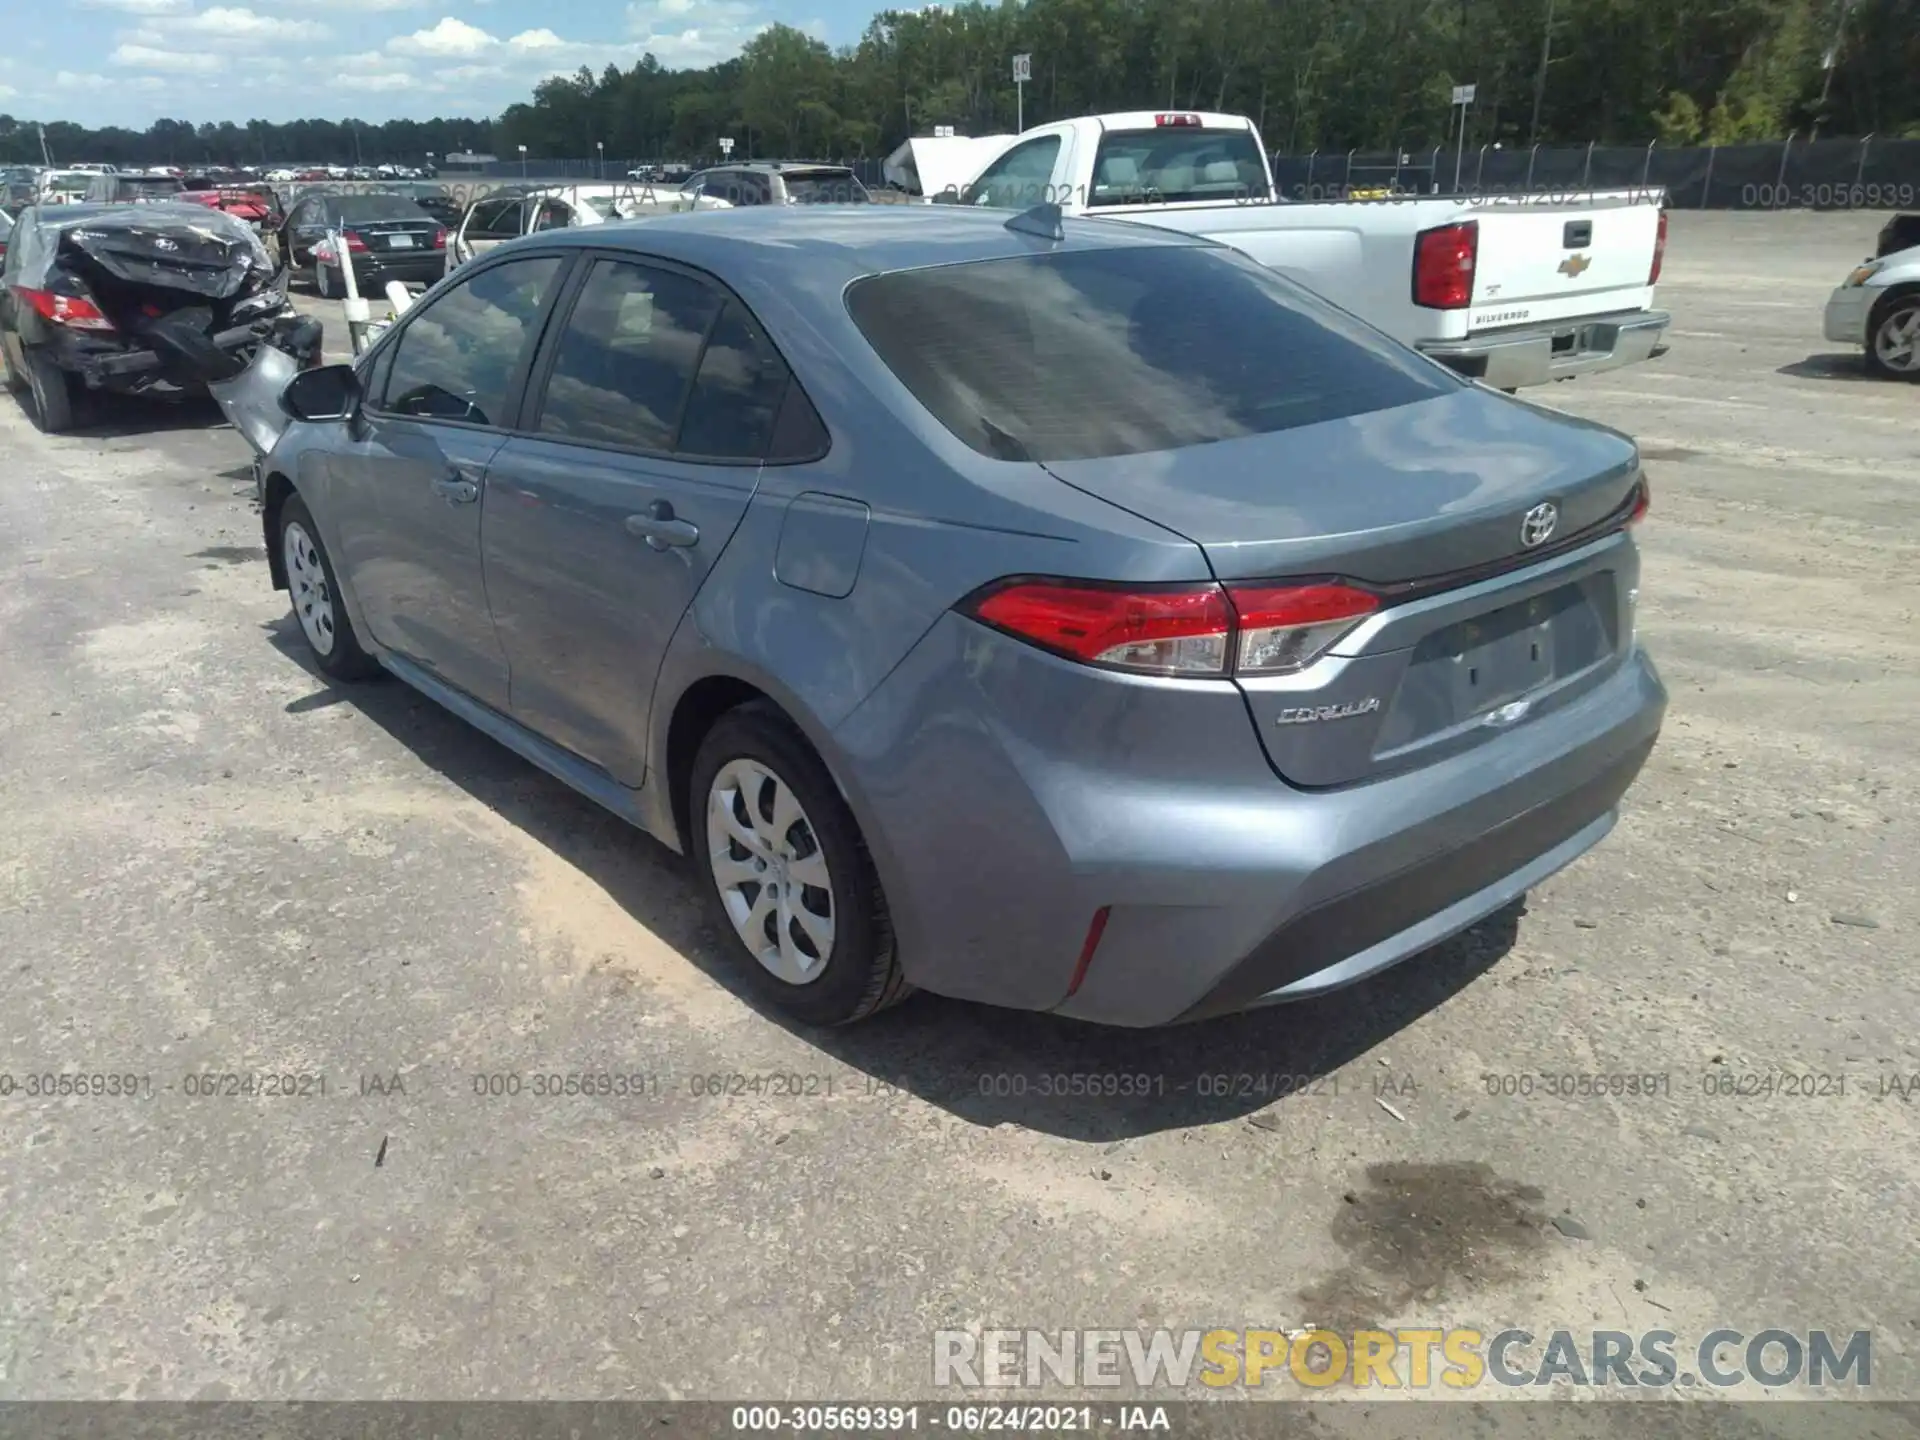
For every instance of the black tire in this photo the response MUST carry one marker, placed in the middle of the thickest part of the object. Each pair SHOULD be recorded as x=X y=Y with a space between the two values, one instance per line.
x=862 y=975
x=321 y=287
x=51 y=401
x=346 y=660
x=11 y=380
x=1903 y=306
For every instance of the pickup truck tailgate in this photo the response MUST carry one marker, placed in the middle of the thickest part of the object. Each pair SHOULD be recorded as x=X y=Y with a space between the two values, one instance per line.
x=1544 y=262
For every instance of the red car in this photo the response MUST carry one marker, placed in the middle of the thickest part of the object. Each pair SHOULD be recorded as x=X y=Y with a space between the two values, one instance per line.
x=253 y=206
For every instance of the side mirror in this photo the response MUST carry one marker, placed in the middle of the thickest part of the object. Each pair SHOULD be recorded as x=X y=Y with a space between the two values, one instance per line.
x=331 y=392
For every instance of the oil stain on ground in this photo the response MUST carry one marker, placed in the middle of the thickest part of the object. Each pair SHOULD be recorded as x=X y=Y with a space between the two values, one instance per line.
x=232 y=554
x=1418 y=1230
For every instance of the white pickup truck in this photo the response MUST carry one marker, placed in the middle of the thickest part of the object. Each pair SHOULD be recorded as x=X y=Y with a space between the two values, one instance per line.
x=1511 y=290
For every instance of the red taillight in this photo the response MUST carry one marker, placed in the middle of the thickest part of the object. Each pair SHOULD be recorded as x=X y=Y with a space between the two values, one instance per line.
x=355 y=243
x=1173 y=630
x=1443 y=261
x=1177 y=120
x=1178 y=630
x=1642 y=502
x=76 y=312
x=440 y=239
x=1659 y=249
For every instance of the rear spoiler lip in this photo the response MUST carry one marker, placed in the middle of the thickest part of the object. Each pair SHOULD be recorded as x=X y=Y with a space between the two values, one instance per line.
x=1401 y=591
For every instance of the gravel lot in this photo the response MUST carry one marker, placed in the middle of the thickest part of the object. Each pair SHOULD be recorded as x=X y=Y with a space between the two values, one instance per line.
x=212 y=862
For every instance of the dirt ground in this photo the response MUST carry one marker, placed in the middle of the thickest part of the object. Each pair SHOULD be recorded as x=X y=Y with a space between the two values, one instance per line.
x=211 y=862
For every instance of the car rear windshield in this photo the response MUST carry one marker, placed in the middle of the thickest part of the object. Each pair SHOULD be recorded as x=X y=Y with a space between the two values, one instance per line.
x=355 y=208
x=1089 y=353
x=1174 y=164
x=825 y=187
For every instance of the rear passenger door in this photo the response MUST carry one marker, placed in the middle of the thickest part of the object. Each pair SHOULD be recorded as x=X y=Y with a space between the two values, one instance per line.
x=652 y=406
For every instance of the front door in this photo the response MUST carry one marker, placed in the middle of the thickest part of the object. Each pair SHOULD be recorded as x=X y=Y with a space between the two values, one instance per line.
x=656 y=411
x=407 y=492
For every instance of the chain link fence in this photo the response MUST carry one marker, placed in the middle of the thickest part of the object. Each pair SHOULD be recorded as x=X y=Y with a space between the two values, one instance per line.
x=1867 y=173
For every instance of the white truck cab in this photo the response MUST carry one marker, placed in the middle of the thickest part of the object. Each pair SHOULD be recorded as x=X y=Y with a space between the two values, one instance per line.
x=1512 y=290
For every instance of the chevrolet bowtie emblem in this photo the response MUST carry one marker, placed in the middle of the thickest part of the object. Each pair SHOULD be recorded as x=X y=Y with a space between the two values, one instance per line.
x=1574 y=266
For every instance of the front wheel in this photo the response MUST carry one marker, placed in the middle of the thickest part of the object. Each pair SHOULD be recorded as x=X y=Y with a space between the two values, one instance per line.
x=783 y=863
x=316 y=598
x=321 y=285
x=1893 y=340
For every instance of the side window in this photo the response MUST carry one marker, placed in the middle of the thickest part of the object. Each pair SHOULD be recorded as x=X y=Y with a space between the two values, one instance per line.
x=735 y=397
x=456 y=358
x=626 y=359
x=552 y=215
x=495 y=220
x=1020 y=178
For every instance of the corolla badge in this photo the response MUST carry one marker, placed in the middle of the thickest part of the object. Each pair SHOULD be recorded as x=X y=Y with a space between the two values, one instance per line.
x=1308 y=714
x=1537 y=524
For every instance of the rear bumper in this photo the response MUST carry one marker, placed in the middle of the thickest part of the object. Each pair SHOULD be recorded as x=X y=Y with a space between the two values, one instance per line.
x=127 y=366
x=421 y=268
x=1040 y=796
x=1537 y=354
x=1845 y=320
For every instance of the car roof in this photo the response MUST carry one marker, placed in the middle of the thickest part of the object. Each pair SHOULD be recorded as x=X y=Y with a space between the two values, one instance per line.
x=851 y=240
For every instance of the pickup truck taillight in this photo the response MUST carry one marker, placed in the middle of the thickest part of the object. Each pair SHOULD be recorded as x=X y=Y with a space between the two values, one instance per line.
x=1659 y=249
x=76 y=312
x=1443 y=261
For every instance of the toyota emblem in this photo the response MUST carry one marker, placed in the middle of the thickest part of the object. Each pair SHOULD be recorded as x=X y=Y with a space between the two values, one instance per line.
x=1537 y=524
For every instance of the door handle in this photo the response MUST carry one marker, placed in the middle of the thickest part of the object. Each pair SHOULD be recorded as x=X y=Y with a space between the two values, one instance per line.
x=457 y=489
x=660 y=529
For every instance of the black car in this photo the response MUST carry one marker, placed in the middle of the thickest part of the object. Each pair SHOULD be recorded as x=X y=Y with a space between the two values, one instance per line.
x=388 y=237
x=153 y=299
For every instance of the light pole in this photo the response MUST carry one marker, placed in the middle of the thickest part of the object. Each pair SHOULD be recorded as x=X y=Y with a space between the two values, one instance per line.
x=430 y=160
x=523 y=162
x=600 y=162
x=1540 y=80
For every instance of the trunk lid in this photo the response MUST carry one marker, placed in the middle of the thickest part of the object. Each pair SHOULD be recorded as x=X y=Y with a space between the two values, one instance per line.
x=389 y=237
x=1390 y=496
x=1425 y=504
x=1541 y=262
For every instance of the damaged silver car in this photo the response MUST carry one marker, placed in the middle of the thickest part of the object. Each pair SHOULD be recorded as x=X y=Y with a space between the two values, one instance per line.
x=158 y=300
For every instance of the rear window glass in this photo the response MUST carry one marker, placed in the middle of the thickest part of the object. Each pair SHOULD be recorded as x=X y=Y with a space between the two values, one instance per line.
x=1175 y=164
x=1091 y=353
x=377 y=207
x=829 y=187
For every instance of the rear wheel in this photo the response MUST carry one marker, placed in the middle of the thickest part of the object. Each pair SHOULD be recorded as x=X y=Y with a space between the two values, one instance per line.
x=1893 y=339
x=51 y=393
x=784 y=865
x=316 y=598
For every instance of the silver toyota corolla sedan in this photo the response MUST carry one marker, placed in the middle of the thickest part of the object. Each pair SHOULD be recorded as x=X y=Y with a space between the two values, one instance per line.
x=1069 y=616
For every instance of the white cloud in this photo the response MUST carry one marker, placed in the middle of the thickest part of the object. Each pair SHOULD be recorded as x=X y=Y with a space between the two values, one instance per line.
x=141 y=7
x=724 y=28
x=450 y=37
x=7 y=92
x=537 y=40
x=177 y=62
x=83 y=80
x=360 y=5
x=375 y=82
x=244 y=27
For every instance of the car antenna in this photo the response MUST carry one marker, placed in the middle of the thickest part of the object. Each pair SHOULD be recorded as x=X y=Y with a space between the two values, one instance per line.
x=1043 y=220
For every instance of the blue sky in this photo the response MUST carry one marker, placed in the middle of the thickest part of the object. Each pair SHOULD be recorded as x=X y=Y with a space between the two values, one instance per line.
x=129 y=62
